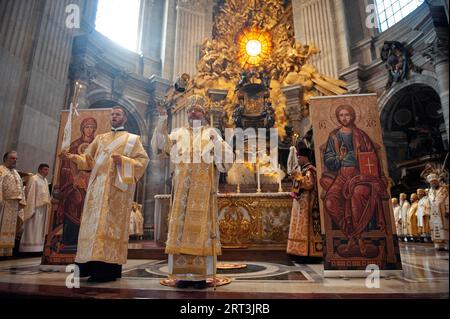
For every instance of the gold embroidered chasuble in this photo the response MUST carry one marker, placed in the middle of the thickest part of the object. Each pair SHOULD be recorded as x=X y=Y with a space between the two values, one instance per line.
x=104 y=227
x=194 y=202
x=190 y=219
x=438 y=199
x=411 y=222
x=11 y=195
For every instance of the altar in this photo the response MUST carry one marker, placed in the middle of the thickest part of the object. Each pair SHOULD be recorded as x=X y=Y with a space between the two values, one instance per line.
x=245 y=219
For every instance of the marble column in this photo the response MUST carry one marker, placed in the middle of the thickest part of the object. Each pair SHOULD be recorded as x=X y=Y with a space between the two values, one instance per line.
x=82 y=72
x=20 y=25
x=168 y=39
x=193 y=19
x=294 y=99
x=89 y=15
x=158 y=173
x=437 y=53
x=343 y=39
x=320 y=22
x=150 y=35
x=35 y=52
x=353 y=75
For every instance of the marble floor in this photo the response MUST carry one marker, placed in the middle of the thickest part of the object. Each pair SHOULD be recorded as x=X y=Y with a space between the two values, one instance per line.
x=425 y=275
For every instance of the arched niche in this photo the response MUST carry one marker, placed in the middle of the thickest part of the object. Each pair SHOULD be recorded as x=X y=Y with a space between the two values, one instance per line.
x=132 y=124
x=413 y=131
x=136 y=125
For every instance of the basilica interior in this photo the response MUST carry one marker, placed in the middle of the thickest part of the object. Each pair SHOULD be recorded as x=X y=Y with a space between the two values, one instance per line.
x=259 y=64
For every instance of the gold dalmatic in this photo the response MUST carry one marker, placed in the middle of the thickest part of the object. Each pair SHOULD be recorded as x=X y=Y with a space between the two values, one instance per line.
x=194 y=204
x=104 y=228
x=11 y=195
x=190 y=218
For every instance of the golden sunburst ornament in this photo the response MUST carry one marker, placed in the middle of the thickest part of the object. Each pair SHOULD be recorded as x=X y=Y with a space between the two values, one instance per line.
x=255 y=46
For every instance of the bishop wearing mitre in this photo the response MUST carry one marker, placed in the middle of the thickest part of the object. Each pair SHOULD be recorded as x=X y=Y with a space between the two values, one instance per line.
x=193 y=238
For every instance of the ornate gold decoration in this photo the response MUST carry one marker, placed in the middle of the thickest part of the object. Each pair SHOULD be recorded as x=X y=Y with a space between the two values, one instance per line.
x=254 y=220
x=276 y=225
x=239 y=223
x=287 y=62
x=255 y=46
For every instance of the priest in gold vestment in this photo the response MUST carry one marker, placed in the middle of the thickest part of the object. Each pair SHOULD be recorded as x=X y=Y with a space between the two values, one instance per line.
x=193 y=214
x=12 y=199
x=411 y=221
x=117 y=160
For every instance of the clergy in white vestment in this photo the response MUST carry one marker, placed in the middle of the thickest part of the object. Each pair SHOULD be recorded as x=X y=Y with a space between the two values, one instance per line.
x=36 y=213
x=12 y=199
x=117 y=160
x=136 y=220
x=397 y=215
x=404 y=208
x=423 y=213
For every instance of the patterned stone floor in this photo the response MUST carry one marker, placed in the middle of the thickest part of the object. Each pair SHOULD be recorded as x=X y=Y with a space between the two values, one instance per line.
x=425 y=275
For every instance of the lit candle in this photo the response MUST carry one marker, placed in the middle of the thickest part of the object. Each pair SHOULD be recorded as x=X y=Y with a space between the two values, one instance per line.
x=279 y=179
x=257 y=176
